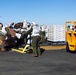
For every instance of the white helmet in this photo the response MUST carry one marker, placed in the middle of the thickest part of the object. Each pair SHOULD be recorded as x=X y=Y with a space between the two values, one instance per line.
x=33 y=23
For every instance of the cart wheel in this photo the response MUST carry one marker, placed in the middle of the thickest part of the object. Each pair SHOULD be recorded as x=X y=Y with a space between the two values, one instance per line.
x=67 y=47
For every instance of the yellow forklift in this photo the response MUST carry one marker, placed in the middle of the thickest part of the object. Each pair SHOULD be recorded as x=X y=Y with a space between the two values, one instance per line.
x=70 y=36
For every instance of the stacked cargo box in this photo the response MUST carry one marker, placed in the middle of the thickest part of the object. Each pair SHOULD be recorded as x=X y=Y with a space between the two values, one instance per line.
x=56 y=33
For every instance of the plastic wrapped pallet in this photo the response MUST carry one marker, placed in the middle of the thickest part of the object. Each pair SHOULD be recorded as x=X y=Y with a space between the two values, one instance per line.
x=56 y=33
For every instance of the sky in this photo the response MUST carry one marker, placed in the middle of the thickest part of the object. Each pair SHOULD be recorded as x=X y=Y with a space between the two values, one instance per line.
x=46 y=12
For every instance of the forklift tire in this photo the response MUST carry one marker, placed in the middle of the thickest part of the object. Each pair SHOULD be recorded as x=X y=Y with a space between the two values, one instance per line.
x=67 y=47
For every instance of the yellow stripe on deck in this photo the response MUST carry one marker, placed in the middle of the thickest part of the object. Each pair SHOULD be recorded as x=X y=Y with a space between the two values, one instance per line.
x=53 y=47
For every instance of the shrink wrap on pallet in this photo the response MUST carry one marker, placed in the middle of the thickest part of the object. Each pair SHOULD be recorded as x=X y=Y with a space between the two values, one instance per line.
x=56 y=33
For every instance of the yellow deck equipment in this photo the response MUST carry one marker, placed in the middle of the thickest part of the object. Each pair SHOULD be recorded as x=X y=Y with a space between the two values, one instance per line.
x=70 y=35
x=21 y=50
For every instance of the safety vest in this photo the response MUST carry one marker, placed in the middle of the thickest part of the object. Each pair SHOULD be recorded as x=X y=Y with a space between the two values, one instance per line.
x=36 y=31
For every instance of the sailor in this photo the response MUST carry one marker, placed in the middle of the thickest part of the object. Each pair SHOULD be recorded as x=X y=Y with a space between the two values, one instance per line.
x=35 y=40
x=2 y=37
x=42 y=33
x=21 y=34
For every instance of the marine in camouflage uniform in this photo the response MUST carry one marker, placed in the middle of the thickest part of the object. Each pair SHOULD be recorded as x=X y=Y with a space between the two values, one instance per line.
x=2 y=38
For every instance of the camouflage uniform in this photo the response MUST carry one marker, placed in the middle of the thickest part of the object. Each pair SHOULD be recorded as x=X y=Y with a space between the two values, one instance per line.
x=2 y=42
x=2 y=38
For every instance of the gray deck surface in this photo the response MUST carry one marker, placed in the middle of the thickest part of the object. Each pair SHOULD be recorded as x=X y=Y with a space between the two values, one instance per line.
x=53 y=62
